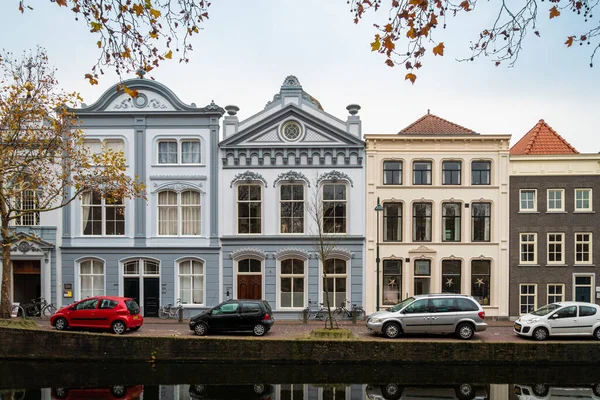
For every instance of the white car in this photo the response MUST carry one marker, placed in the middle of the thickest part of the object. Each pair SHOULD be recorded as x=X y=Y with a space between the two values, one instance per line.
x=568 y=318
x=542 y=391
x=393 y=391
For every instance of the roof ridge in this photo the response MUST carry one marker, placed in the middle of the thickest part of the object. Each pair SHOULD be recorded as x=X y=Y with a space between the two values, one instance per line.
x=437 y=118
x=528 y=143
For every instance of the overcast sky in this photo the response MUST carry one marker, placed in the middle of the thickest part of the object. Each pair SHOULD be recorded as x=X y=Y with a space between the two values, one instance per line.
x=247 y=48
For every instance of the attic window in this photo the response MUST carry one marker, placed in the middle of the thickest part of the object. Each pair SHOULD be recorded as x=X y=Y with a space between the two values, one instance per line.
x=291 y=131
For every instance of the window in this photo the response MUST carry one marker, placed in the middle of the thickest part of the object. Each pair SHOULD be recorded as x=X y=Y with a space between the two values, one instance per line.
x=528 y=248
x=555 y=248
x=555 y=200
x=583 y=199
x=419 y=306
x=481 y=172
x=583 y=288
x=291 y=392
x=106 y=304
x=392 y=172
x=90 y=304
x=191 y=282
x=27 y=201
x=528 y=200
x=422 y=273
x=583 y=248
x=480 y=281
x=97 y=146
x=179 y=152
x=566 y=312
x=102 y=216
x=451 y=172
x=480 y=222
x=392 y=282
x=249 y=209
x=585 y=311
x=451 y=222
x=91 y=275
x=336 y=281
x=250 y=266
x=292 y=283
x=527 y=298
x=422 y=173
x=174 y=207
x=556 y=292
x=392 y=222
x=334 y=208
x=422 y=222
x=451 y=273
x=292 y=208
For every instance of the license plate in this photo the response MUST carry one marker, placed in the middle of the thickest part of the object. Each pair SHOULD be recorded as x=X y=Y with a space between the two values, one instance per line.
x=135 y=317
x=517 y=328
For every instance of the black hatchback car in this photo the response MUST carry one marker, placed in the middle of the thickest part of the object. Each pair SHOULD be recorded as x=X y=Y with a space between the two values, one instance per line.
x=235 y=315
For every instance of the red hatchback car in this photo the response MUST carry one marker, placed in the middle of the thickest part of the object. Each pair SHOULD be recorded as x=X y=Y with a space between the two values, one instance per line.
x=102 y=312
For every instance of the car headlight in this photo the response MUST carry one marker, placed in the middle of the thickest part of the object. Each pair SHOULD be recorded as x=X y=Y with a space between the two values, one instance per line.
x=375 y=320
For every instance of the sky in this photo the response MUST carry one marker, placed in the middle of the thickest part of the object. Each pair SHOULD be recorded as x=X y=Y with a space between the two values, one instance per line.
x=247 y=48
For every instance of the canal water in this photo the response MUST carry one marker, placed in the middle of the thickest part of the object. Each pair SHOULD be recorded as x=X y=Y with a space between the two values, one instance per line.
x=149 y=381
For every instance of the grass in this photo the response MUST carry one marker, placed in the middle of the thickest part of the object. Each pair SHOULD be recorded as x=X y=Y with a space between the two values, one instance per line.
x=336 y=333
x=18 y=323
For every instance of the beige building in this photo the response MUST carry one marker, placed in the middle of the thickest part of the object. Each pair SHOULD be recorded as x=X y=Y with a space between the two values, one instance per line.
x=443 y=215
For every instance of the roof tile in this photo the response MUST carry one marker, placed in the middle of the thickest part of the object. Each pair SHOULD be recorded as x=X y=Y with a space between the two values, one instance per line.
x=430 y=124
x=542 y=139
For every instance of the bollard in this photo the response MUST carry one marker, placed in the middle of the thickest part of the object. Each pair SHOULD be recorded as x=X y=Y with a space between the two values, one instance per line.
x=180 y=315
x=354 y=316
x=305 y=316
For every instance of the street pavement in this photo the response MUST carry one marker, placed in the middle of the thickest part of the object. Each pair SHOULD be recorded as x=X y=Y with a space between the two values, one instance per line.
x=498 y=331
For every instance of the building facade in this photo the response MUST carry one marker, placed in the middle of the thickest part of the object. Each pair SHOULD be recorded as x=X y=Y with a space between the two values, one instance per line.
x=163 y=247
x=553 y=221
x=287 y=172
x=442 y=195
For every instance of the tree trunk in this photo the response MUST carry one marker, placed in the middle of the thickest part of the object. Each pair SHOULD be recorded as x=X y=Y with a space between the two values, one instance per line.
x=6 y=237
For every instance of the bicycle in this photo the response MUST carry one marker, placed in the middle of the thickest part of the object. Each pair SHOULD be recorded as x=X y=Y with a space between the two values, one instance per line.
x=170 y=311
x=17 y=310
x=342 y=311
x=39 y=307
x=315 y=310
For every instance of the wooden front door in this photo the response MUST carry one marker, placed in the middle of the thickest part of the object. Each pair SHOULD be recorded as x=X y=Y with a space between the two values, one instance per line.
x=26 y=280
x=249 y=287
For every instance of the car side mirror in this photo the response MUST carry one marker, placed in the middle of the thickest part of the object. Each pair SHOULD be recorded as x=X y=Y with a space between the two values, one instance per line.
x=72 y=308
x=554 y=316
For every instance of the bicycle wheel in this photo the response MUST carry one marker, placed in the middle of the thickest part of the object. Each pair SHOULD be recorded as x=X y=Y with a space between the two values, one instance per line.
x=186 y=313
x=48 y=310
x=31 y=310
x=338 y=314
x=163 y=313
x=18 y=311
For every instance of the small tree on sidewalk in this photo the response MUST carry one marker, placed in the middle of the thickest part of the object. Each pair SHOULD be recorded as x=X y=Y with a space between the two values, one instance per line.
x=43 y=163
x=326 y=236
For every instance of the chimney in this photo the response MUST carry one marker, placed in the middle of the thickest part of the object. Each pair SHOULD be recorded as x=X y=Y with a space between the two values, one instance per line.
x=230 y=121
x=353 y=124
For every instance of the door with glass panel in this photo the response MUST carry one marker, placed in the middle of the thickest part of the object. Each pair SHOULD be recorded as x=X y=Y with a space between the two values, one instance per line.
x=249 y=279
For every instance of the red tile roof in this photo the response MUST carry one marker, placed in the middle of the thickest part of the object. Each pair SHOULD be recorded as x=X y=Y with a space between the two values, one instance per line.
x=430 y=124
x=542 y=139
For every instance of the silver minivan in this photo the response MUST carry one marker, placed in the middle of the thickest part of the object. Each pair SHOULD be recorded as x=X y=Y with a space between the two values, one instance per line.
x=431 y=314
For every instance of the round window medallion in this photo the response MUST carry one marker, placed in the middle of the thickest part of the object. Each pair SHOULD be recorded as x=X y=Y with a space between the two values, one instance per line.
x=140 y=101
x=291 y=130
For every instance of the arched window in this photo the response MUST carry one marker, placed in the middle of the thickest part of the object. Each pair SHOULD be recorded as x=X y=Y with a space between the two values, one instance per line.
x=179 y=213
x=336 y=283
x=91 y=278
x=292 y=279
x=191 y=282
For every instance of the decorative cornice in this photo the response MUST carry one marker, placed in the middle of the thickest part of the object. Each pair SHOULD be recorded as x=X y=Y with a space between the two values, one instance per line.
x=340 y=252
x=335 y=176
x=177 y=186
x=291 y=81
x=422 y=249
x=276 y=97
x=291 y=176
x=177 y=177
x=213 y=107
x=295 y=251
x=248 y=251
x=248 y=177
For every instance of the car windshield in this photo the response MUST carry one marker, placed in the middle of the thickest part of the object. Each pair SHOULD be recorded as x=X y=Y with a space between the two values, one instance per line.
x=402 y=304
x=132 y=306
x=547 y=309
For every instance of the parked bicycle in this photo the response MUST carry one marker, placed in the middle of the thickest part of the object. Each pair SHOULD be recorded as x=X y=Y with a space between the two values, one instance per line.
x=39 y=307
x=342 y=311
x=171 y=311
x=17 y=311
x=315 y=310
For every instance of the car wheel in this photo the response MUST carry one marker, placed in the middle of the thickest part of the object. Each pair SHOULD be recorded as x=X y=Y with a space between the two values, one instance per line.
x=118 y=327
x=540 y=389
x=259 y=330
x=465 y=331
x=200 y=329
x=135 y=329
x=392 y=391
x=117 y=390
x=259 y=389
x=540 y=334
x=465 y=392
x=61 y=393
x=60 y=324
x=597 y=334
x=392 y=330
x=596 y=389
x=199 y=389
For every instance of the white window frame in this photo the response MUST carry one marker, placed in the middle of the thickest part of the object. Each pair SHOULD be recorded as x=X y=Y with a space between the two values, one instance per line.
x=191 y=276
x=562 y=200
x=293 y=276
x=24 y=203
x=336 y=301
x=179 y=206
x=179 y=150
x=534 y=203
x=345 y=201
x=528 y=295
x=591 y=286
x=548 y=294
x=103 y=221
x=104 y=143
x=81 y=275
x=237 y=202
x=562 y=248
x=528 y=242
x=304 y=192
x=590 y=245
x=589 y=200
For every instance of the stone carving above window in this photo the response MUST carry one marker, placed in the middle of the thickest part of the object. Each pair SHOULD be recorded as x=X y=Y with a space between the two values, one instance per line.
x=291 y=176
x=157 y=104
x=177 y=187
x=335 y=176
x=292 y=252
x=248 y=177
x=248 y=252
